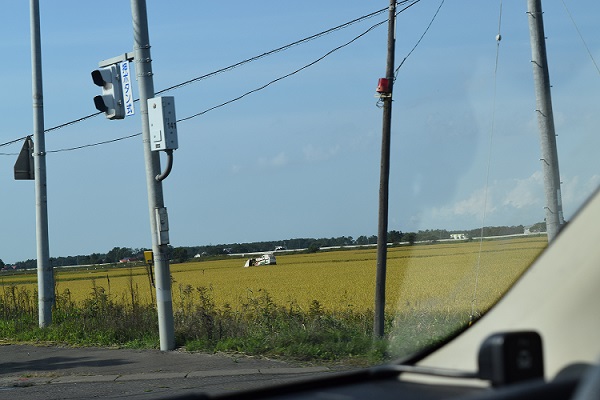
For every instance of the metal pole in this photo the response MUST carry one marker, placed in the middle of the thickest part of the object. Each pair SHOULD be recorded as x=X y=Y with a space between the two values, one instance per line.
x=549 y=158
x=378 y=324
x=44 y=269
x=143 y=63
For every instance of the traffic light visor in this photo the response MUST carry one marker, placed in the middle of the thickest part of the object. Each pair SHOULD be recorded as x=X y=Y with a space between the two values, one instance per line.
x=97 y=78
x=100 y=104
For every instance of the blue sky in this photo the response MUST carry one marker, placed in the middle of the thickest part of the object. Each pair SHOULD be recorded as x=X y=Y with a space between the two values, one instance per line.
x=301 y=157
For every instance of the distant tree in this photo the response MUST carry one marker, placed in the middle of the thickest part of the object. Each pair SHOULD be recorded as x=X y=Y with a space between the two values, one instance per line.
x=538 y=227
x=432 y=235
x=180 y=254
x=314 y=247
x=29 y=264
x=118 y=253
x=496 y=231
x=96 y=258
x=362 y=240
x=394 y=236
x=410 y=237
x=2 y=265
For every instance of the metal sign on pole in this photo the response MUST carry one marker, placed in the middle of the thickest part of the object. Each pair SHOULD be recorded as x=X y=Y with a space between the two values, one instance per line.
x=24 y=167
x=126 y=86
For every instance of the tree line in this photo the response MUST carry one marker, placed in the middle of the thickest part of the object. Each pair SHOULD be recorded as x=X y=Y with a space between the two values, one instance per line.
x=185 y=253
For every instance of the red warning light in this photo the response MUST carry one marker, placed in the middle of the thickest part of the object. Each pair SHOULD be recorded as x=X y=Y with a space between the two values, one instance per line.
x=383 y=86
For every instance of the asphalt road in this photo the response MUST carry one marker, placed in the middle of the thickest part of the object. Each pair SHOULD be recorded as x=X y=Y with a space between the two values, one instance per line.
x=52 y=372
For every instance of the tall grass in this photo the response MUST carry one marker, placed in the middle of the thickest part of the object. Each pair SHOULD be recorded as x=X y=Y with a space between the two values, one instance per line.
x=258 y=327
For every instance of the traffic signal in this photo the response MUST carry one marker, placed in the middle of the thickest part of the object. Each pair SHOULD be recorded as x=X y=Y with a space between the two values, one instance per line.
x=111 y=100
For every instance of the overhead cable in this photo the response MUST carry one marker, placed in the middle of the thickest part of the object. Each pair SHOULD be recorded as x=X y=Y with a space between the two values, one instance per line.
x=420 y=39
x=581 y=37
x=95 y=144
x=225 y=69
x=474 y=312
x=233 y=66
x=284 y=76
x=277 y=50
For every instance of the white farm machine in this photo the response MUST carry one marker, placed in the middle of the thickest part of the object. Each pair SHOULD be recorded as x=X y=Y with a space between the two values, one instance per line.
x=265 y=259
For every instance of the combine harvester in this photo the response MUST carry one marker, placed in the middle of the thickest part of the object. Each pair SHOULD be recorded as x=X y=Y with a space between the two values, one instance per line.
x=265 y=259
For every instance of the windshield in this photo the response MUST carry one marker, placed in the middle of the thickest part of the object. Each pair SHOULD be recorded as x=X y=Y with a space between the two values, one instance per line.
x=270 y=246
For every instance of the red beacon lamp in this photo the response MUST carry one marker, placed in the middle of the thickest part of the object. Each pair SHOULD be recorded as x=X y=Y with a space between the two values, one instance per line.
x=383 y=87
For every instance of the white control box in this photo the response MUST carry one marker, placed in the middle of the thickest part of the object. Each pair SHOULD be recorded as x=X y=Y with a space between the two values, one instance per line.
x=163 y=126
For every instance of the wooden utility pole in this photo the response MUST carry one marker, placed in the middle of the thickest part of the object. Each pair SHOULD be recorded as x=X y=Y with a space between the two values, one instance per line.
x=549 y=154
x=384 y=178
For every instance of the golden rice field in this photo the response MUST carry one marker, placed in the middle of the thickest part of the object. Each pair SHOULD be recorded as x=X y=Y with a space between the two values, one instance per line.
x=437 y=277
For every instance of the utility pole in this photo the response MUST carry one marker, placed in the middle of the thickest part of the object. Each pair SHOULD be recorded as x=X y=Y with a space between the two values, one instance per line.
x=549 y=154
x=158 y=212
x=384 y=178
x=44 y=269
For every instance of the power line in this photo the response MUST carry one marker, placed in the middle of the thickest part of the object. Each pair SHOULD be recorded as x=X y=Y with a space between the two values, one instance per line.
x=284 y=76
x=581 y=37
x=75 y=121
x=240 y=96
x=219 y=71
x=412 y=2
x=233 y=66
x=474 y=312
x=282 y=48
x=95 y=144
x=12 y=142
x=420 y=39
x=277 y=50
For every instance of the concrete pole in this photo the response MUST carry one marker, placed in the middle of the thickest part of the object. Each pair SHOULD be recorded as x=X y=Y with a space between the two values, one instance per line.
x=549 y=154
x=384 y=177
x=44 y=269
x=143 y=67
